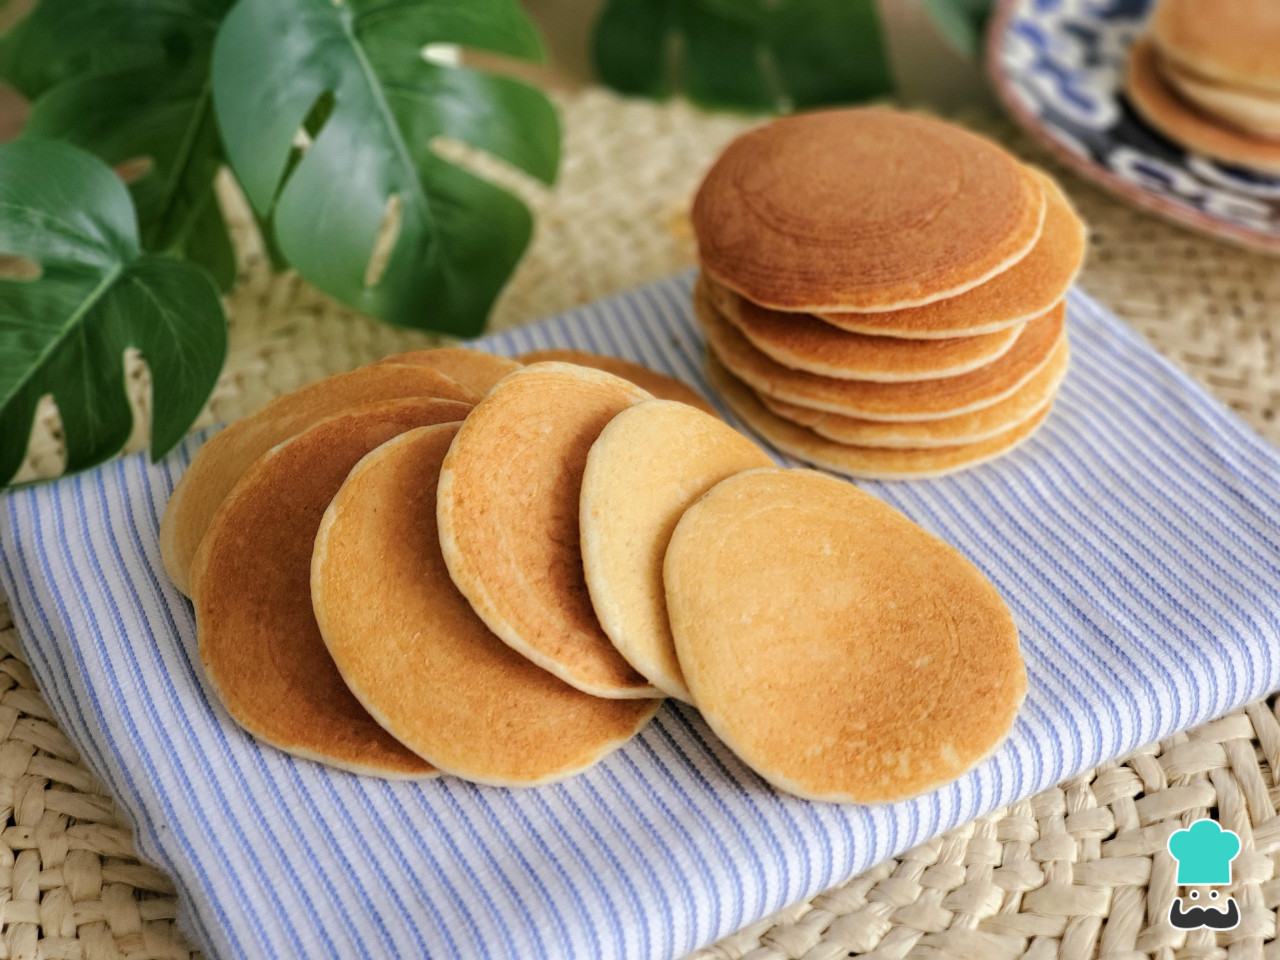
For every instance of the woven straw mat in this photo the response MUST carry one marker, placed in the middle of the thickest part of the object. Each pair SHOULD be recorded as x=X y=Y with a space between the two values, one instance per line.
x=1079 y=871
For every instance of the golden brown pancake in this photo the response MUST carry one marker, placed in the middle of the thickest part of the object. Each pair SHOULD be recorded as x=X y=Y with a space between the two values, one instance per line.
x=912 y=400
x=1231 y=41
x=658 y=384
x=1183 y=124
x=474 y=369
x=803 y=342
x=508 y=516
x=841 y=651
x=414 y=653
x=984 y=424
x=223 y=460
x=1252 y=112
x=251 y=583
x=1024 y=291
x=867 y=463
x=643 y=471
x=866 y=209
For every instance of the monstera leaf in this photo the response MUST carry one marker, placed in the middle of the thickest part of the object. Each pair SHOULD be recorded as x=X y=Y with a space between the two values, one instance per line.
x=368 y=86
x=66 y=214
x=961 y=22
x=128 y=80
x=751 y=54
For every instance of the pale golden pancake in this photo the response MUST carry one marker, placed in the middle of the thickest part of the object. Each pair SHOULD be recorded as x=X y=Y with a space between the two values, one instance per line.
x=866 y=209
x=414 y=653
x=1183 y=124
x=646 y=467
x=1232 y=41
x=984 y=424
x=223 y=460
x=508 y=516
x=803 y=342
x=474 y=369
x=844 y=653
x=866 y=463
x=912 y=400
x=1250 y=111
x=1024 y=291
x=658 y=384
x=251 y=583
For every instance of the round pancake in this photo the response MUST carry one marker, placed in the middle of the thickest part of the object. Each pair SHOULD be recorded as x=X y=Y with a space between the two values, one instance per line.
x=474 y=369
x=844 y=653
x=1164 y=110
x=251 y=583
x=658 y=384
x=1024 y=291
x=646 y=467
x=866 y=463
x=1231 y=41
x=803 y=342
x=866 y=209
x=1253 y=113
x=223 y=460
x=414 y=653
x=508 y=518
x=984 y=424
x=912 y=400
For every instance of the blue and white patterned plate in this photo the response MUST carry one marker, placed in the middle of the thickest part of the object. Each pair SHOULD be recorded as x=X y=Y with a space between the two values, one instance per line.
x=1059 y=66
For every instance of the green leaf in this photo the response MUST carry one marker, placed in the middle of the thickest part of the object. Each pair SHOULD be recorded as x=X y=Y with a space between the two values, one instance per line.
x=747 y=54
x=128 y=80
x=384 y=103
x=961 y=22
x=98 y=293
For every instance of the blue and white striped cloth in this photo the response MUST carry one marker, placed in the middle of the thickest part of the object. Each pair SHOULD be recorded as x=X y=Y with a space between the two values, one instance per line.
x=1136 y=538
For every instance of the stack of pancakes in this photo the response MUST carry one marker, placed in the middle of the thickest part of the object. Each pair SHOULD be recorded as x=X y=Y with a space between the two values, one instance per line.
x=1207 y=75
x=883 y=293
x=450 y=562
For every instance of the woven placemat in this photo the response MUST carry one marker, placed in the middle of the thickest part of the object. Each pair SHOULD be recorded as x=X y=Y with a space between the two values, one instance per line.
x=1078 y=871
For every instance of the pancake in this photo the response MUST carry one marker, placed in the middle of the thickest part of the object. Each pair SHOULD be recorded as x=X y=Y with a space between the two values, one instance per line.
x=984 y=424
x=803 y=342
x=1231 y=41
x=508 y=516
x=1024 y=291
x=844 y=653
x=474 y=369
x=1165 y=111
x=646 y=467
x=1252 y=112
x=220 y=463
x=251 y=582
x=658 y=384
x=414 y=653
x=866 y=463
x=865 y=209
x=912 y=400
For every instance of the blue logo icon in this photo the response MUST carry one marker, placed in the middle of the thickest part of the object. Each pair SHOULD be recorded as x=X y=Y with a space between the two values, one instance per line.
x=1204 y=852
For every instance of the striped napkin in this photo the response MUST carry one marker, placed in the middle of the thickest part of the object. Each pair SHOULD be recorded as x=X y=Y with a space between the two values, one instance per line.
x=1136 y=538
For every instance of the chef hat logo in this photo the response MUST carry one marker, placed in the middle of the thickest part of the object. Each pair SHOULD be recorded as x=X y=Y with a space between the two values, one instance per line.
x=1204 y=852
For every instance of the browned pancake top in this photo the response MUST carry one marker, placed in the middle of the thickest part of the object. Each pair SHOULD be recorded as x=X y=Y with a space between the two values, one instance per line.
x=1236 y=41
x=1026 y=290
x=416 y=655
x=475 y=369
x=223 y=460
x=658 y=384
x=508 y=513
x=867 y=209
x=839 y=649
x=251 y=583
